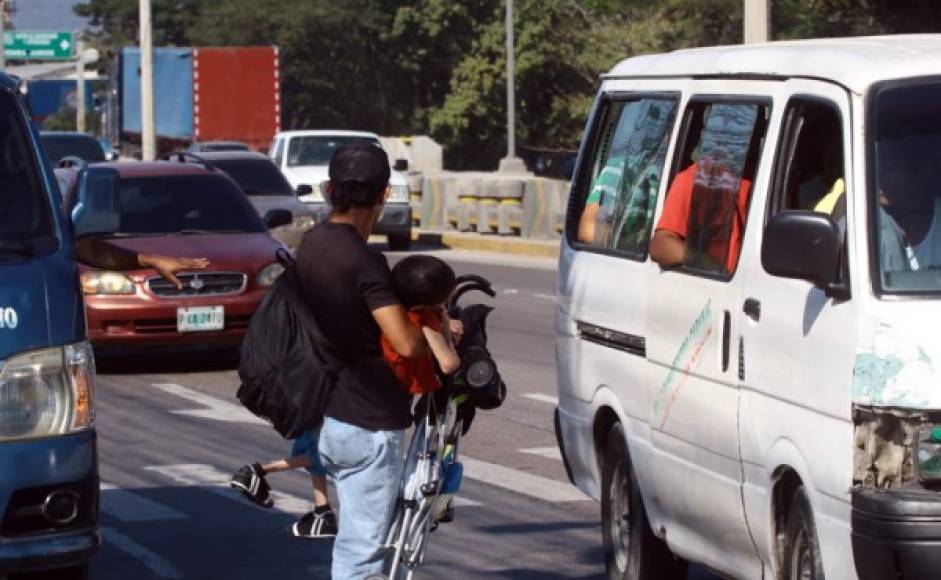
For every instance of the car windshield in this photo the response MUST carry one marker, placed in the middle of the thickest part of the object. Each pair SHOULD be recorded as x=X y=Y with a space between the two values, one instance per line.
x=906 y=156
x=184 y=204
x=255 y=176
x=24 y=212
x=81 y=146
x=318 y=149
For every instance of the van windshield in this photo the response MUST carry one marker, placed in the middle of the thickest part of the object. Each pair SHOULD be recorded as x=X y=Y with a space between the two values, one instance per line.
x=25 y=217
x=318 y=149
x=906 y=197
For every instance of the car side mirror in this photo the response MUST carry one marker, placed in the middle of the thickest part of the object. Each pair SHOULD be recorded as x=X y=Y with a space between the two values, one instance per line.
x=96 y=207
x=805 y=245
x=304 y=189
x=400 y=165
x=275 y=218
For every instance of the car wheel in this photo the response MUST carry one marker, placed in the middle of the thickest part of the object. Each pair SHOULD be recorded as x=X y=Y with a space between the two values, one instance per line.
x=400 y=243
x=77 y=572
x=801 y=549
x=631 y=550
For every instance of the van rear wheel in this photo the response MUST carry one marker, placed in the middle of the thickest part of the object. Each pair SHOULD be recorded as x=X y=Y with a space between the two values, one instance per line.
x=631 y=550
x=801 y=549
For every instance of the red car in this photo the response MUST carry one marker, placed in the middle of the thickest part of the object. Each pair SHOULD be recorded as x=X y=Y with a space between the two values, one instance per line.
x=186 y=210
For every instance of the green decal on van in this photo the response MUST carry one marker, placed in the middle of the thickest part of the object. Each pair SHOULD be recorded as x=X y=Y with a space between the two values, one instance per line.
x=685 y=360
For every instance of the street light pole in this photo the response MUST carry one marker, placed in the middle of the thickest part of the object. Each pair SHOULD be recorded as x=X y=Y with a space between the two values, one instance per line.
x=511 y=163
x=756 y=21
x=80 y=86
x=148 y=137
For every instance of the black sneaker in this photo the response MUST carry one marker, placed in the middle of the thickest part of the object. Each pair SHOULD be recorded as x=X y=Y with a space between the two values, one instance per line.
x=250 y=481
x=314 y=525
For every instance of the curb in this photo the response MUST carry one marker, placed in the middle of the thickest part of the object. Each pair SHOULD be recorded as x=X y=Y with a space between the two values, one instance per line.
x=488 y=243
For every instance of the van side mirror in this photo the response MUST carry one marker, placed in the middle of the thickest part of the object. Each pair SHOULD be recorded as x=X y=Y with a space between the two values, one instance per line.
x=304 y=189
x=805 y=245
x=275 y=218
x=400 y=165
x=96 y=207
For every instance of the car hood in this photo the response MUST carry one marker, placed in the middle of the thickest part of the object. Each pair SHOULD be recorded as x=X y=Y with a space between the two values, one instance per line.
x=240 y=252
x=264 y=203
x=314 y=175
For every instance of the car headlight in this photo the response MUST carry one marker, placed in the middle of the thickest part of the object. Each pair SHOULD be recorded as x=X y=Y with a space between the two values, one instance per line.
x=928 y=453
x=106 y=283
x=399 y=193
x=303 y=222
x=47 y=392
x=269 y=274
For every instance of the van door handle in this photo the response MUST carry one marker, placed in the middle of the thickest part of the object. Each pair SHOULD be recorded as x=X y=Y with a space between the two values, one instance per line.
x=726 y=339
x=752 y=309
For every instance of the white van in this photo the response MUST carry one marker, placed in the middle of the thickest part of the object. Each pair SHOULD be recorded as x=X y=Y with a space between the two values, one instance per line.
x=749 y=311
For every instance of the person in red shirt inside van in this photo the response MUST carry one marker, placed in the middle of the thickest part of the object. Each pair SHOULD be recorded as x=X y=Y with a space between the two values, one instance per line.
x=701 y=225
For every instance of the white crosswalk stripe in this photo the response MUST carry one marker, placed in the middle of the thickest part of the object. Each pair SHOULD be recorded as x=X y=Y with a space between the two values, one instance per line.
x=547 y=452
x=128 y=506
x=218 y=482
x=213 y=408
x=534 y=486
x=160 y=566
x=541 y=398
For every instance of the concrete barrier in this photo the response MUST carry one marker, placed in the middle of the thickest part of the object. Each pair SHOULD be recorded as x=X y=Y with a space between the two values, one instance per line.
x=492 y=203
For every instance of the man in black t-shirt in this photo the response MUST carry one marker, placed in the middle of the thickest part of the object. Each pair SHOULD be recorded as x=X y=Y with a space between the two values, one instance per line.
x=348 y=288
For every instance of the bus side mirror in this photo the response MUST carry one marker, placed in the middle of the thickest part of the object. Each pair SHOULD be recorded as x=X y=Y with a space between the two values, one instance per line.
x=96 y=207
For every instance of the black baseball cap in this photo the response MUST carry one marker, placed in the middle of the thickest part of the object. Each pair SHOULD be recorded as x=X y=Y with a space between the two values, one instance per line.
x=360 y=163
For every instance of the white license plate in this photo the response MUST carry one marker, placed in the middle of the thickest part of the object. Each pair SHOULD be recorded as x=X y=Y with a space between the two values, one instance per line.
x=199 y=318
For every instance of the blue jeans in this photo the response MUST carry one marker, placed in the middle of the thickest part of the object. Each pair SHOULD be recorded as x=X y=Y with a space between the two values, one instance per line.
x=367 y=466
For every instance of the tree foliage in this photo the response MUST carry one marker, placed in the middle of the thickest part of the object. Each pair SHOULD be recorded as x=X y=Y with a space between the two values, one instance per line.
x=439 y=66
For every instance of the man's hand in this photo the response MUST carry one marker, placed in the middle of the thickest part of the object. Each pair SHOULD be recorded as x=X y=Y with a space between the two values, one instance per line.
x=168 y=266
x=457 y=330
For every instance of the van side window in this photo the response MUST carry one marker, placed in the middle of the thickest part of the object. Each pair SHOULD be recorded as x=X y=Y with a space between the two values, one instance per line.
x=813 y=170
x=704 y=214
x=626 y=169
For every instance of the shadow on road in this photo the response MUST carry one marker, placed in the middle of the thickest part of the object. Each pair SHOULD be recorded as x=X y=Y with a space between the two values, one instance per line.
x=166 y=360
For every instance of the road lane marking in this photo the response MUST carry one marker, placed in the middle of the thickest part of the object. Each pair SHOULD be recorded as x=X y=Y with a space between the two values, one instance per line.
x=128 y=506
x=464 y=502
x=547 y=452
x=535 y=486
x=217 y=481
x=215 y=408
x=544 y=296
x=157 y=564
x=542 y=398
x=511 y=291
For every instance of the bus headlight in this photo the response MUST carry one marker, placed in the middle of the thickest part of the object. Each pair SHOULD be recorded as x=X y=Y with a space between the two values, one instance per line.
x=47 y=392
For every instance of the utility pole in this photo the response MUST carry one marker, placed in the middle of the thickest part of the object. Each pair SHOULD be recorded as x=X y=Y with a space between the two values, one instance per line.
x=756 y=21
x=80 y=85
x=511 y=163
x=148 y=138
x=3 y=21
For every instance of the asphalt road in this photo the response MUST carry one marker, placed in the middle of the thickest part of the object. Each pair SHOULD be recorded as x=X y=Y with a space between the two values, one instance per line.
x=171 y=433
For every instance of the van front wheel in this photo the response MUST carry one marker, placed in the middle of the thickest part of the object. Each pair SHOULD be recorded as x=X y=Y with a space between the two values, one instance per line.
x=631 y=550
x=801 y=549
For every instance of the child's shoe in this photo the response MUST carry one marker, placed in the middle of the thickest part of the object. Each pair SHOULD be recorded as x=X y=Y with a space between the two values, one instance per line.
x=250 y=481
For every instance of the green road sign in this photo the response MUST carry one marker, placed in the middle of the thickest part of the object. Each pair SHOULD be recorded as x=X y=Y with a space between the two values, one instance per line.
x=38 y=45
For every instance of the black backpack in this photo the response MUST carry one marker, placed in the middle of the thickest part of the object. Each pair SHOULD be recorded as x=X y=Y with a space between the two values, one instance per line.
x=287 y=369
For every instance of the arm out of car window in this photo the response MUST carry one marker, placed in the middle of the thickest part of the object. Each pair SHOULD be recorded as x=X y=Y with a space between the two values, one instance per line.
x=405 y=338
x=106 y=256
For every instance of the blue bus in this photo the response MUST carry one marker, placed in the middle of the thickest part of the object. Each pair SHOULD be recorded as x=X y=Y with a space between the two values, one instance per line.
x=49 y=485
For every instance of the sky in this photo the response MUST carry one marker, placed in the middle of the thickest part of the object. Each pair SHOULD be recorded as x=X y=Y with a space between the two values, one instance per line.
x=46 y=15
